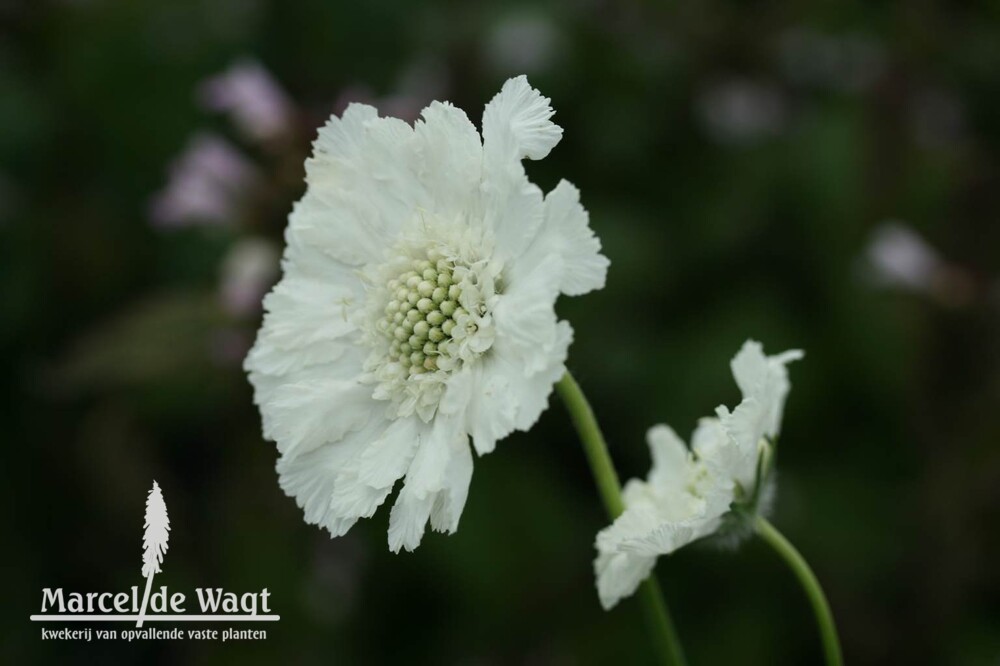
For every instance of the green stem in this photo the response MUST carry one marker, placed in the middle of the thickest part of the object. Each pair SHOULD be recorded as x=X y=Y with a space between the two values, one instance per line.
x=657 y=615
x=824 y=618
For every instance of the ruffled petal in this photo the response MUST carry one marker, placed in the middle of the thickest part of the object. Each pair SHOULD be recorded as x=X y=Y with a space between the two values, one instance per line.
x=619 y=575
x=435 y=481
x=408 y=519
x=450 y=500
x=745 y=427
x=451 y=161
x=483 y=394
x=533 y=391
x=568 y=225
x=312 y=477
x=516 y=124
x=305 y=323
x=525 y=317
x=764 y=378
x=361 y=186
x=565 y=235
x=386 y=459
x=672 y=460
x=315 y=405
x=671 y=536
x=430 y=464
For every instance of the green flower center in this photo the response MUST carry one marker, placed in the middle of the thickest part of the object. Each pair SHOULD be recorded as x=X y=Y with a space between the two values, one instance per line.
x=422 y=314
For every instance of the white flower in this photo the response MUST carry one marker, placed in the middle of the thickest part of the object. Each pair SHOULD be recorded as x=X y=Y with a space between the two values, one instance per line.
x=417 y=309
x=711 y=488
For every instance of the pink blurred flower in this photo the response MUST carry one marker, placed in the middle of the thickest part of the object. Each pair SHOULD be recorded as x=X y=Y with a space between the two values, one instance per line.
x=897 y=257
x=248 y=271
x=251 y=97
x=205 y=185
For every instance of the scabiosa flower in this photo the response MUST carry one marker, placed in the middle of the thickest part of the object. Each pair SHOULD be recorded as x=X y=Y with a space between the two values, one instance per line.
x=416 y=309
x=711 y=488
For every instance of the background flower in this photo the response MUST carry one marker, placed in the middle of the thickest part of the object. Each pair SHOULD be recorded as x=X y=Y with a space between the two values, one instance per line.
x=717 y=485
x=206 y=185
x=254 y=100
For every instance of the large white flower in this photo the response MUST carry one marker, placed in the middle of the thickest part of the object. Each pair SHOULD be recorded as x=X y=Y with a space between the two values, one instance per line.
x=417 y=309
x=711 y=488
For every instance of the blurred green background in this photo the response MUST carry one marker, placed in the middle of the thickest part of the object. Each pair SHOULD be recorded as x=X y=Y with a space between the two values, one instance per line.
x=814 y=176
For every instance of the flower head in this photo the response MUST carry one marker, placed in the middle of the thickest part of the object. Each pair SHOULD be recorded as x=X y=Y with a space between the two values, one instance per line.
x=416 y=310
x=708 y=489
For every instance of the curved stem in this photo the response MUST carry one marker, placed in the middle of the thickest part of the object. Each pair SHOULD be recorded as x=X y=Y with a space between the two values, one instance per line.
x=824 y=618
x=657 y=615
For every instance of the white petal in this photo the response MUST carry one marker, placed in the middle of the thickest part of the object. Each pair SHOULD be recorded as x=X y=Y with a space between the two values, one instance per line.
x=408 y=520
x=353 y=498
x=305 y=324
x=722 y=460
x=386 y=459
x=484 y=395
x=749 y=368
x=669 y=537
x=672 y=461
x=452 y=157
x=708 y=436
x=764 y=378
x=514 y=210
x=311 y=478
x=516 y=123
x=525 y=318
x=745 y=426
x=344 y=230
x=306 y=260
x=657 y=528
x=636 y=522
x=451 y=499
x=362 y=186
x=430 y=464
x=314 y=407
x=565 y=233
x=637 y=493
x=436 y=481
x=619 y=575
x=534 y=391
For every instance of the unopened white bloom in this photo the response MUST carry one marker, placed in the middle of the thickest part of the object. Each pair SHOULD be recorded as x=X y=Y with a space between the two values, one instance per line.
x=690 y=494
x=417 y=309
